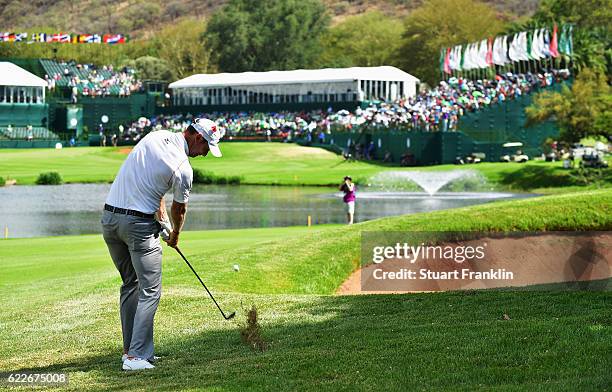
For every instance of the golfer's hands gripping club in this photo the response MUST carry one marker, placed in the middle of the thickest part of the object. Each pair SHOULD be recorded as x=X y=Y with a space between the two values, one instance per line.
x=166 y=233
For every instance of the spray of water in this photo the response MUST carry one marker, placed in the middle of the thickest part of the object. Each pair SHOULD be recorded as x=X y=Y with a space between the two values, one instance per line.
x=429 y=181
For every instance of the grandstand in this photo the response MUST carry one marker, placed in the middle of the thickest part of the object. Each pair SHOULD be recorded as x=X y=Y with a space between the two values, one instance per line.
x=23 y=110
x=89 y=79
x=299 y=87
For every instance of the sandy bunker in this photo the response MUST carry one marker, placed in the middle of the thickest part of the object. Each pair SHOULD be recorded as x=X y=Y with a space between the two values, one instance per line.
x=532 y=259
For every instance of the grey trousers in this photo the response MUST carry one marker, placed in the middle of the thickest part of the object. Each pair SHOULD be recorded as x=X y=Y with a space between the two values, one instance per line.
x=134 y=246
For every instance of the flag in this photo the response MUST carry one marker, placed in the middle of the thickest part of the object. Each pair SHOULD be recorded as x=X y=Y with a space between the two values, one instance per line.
x=565 y=40
x=113 y=39
x=19 y=37
x=74 y=39
x=473 y=56
x=85 y=38
x=546 y=43
x=500 y=49
x=553 y=43
x=489 y=56
x=458 y=59
x=534 y=51
x=4 y=37
x=64 y=38
x=467 y=59
x=529 y=41
x=513 y=50
x=446 y=61
x=523 y=52
x=97 y=39
x=481 y=57
x=455 y=58
x=39 y=37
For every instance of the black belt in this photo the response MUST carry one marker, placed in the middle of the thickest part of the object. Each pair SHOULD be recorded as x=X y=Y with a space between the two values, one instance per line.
x=125 y=211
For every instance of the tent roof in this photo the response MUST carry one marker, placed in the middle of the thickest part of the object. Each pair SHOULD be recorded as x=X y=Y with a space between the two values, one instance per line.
x=13 y=75
x=297 y=76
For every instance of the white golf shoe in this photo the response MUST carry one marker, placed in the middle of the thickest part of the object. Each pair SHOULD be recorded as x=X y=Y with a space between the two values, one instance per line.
x=151 y=360
x=136 y=364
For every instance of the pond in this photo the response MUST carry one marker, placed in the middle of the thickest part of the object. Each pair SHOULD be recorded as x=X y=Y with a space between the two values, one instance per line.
x=32 y=211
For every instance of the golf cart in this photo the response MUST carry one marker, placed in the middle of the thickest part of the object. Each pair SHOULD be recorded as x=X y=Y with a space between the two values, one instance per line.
x=591 y=158
x=518 y=156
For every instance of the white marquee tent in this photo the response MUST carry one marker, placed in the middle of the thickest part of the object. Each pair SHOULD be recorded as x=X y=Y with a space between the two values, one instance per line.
x=299 y=86
x=20 y=86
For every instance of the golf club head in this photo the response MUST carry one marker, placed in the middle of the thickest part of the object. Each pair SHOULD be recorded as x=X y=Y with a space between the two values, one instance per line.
x=231 y=316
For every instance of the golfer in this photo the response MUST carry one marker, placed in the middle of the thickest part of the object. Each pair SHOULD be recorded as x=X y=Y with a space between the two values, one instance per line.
x=157 y=164
x=349 y=198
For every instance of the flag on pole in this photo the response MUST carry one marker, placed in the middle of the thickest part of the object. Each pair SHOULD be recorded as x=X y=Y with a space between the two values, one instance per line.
x=458 y=57
x=113 y=39
x=20 y=37
x=513 y=50
x=482 y=54
x=523 y=52
x=565 y=40
x=489 y=52
x=553 y=43
x=39 y=37
x=446 y=61
x=535 y=42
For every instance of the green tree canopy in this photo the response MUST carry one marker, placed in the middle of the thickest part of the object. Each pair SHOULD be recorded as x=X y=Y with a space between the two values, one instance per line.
x=592 y=33
x=582 y=111
x=366 y=40
x=260 y=35
x=150 y=68
x=184 y=48
x=442 y=23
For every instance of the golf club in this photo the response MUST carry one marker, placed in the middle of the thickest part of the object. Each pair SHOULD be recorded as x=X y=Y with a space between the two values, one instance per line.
x=231 y=315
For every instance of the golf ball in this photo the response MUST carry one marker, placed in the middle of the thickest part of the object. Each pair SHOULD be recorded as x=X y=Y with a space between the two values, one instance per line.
x=236 y=267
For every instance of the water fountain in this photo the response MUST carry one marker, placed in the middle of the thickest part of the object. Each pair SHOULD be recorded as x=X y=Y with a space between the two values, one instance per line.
x=429 y=181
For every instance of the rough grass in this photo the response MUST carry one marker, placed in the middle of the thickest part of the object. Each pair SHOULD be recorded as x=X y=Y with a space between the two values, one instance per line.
x=278 y=164
x=60 y=313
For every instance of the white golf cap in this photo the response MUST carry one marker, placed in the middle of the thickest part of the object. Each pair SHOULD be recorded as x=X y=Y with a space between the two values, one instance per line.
x=211 y=133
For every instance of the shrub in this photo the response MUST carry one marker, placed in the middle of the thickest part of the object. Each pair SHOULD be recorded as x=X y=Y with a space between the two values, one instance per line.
x=49 y=178
x=203 y=177
x=207 y=178
x=234 y=180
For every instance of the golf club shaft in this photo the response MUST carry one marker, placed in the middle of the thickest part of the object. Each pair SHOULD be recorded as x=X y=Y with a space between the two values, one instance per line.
x=203 y=285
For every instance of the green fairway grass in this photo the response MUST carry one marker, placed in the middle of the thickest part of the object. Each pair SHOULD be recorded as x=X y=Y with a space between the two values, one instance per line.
x=60 y=313
x=277 y=164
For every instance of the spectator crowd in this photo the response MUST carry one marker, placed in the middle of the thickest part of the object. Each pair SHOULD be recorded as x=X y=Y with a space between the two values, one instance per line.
x=438 y=109
x=90 y=80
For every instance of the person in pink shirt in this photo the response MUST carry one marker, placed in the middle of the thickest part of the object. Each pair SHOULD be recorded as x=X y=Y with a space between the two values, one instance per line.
x=349 y=198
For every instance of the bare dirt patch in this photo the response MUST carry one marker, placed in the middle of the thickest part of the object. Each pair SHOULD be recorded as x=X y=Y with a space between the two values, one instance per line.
x=125 y=150
x=533 y=260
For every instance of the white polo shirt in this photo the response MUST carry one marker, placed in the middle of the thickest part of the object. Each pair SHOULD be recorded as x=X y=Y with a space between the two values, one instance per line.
x=156 y=164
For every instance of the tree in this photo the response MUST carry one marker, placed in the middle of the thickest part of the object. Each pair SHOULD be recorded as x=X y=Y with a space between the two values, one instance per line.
x=184 y=48
x=366 y=40
x=443 y=23
x=261 y=35
x=582 y=111
x=592 y=34
x=150 y=68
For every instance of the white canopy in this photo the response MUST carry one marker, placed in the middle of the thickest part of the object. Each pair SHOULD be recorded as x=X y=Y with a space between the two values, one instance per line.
x=12 y=75
x=384 y=73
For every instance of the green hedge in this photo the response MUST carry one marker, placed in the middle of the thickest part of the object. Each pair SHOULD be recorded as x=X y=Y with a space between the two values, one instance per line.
x=49 y=178
x=207 y=178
